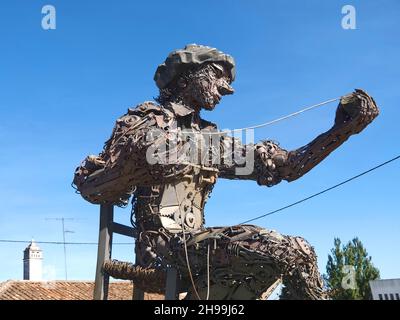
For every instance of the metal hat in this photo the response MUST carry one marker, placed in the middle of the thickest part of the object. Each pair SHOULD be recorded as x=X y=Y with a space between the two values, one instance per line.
x=179 y=61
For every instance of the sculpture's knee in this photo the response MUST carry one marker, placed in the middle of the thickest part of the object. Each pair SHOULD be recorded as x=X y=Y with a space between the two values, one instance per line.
x=297 y=248
x=303 y=249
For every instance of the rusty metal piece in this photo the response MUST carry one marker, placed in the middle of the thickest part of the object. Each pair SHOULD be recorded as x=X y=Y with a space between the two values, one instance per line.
x=148 y=280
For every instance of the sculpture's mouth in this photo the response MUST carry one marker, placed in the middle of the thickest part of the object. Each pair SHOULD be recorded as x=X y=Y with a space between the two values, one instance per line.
x=211 y=101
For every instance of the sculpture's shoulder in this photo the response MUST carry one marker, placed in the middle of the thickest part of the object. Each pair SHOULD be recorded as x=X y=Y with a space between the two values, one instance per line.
x=146 y=108
x=146 y=114
x=137 y=119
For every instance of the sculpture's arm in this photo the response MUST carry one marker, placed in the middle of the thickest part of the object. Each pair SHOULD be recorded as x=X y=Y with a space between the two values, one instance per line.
x=273 y=164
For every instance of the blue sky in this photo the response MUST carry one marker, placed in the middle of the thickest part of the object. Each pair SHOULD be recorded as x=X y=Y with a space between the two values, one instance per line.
x=61 y=91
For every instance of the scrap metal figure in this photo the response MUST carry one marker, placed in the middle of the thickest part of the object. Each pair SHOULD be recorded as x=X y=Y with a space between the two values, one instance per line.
x=150 y=156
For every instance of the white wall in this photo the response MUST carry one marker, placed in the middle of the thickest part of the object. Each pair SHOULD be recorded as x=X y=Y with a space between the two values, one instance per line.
x=385 y=289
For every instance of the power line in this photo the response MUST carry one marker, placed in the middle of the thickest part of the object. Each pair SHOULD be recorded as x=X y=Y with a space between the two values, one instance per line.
x=58 y=242
x=323 y=191
x=247 y=221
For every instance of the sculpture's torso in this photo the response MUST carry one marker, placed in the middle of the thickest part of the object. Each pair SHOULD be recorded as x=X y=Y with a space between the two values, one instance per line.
x=178 y=203
x=175 y=205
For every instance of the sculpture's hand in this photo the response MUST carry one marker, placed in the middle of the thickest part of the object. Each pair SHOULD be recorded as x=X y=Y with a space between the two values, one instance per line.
x=356 y=111
x=353 y=114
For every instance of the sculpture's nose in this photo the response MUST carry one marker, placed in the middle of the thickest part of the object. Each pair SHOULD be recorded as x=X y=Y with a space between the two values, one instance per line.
x=225 y=88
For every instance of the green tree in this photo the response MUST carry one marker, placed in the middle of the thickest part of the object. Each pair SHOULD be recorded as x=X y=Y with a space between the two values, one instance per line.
x=349 y=270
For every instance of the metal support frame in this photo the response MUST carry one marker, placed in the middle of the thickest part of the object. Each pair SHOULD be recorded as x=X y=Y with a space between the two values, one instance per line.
x=171 y=285
x=106 y=230
x=138 y=294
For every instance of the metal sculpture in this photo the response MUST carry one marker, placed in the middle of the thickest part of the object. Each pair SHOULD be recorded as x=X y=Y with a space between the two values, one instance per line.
x=168 y=158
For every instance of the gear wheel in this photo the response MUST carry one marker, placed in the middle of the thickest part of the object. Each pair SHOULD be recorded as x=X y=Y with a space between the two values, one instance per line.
x=190 y=219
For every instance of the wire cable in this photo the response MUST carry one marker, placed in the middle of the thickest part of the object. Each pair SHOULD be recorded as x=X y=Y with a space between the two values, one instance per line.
x=323 y=191
x=60 y=242
x=247 y=221
x=305 y=109
x=185 y=248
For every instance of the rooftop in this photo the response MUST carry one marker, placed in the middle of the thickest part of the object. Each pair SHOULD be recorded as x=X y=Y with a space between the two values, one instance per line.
x=65 y=290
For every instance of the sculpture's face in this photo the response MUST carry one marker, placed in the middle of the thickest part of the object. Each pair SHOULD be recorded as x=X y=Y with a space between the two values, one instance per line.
x=205 y=88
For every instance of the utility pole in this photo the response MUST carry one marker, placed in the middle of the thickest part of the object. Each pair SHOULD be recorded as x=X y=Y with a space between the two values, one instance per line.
x=62 y=219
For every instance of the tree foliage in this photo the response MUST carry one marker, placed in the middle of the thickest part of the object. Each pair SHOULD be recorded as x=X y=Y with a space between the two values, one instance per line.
x=349 y=270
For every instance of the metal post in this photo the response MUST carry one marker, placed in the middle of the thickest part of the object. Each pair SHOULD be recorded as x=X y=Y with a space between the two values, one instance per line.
x=103 y=251
x=138 y=294
x=170 y=289
x=62 y=219
x=65 y=250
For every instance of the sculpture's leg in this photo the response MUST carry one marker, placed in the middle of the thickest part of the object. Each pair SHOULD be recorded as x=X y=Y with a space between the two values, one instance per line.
x=246 y=261
x=250 y=262
x=233 y=273
x=295 y=259
x=219 y=290
x=303 y=280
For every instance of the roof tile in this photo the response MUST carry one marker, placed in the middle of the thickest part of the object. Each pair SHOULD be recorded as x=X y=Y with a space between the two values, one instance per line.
x=65 y=290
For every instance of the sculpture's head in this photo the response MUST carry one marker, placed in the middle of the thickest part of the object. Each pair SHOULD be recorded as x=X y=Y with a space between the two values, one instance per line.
x=197 y=76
